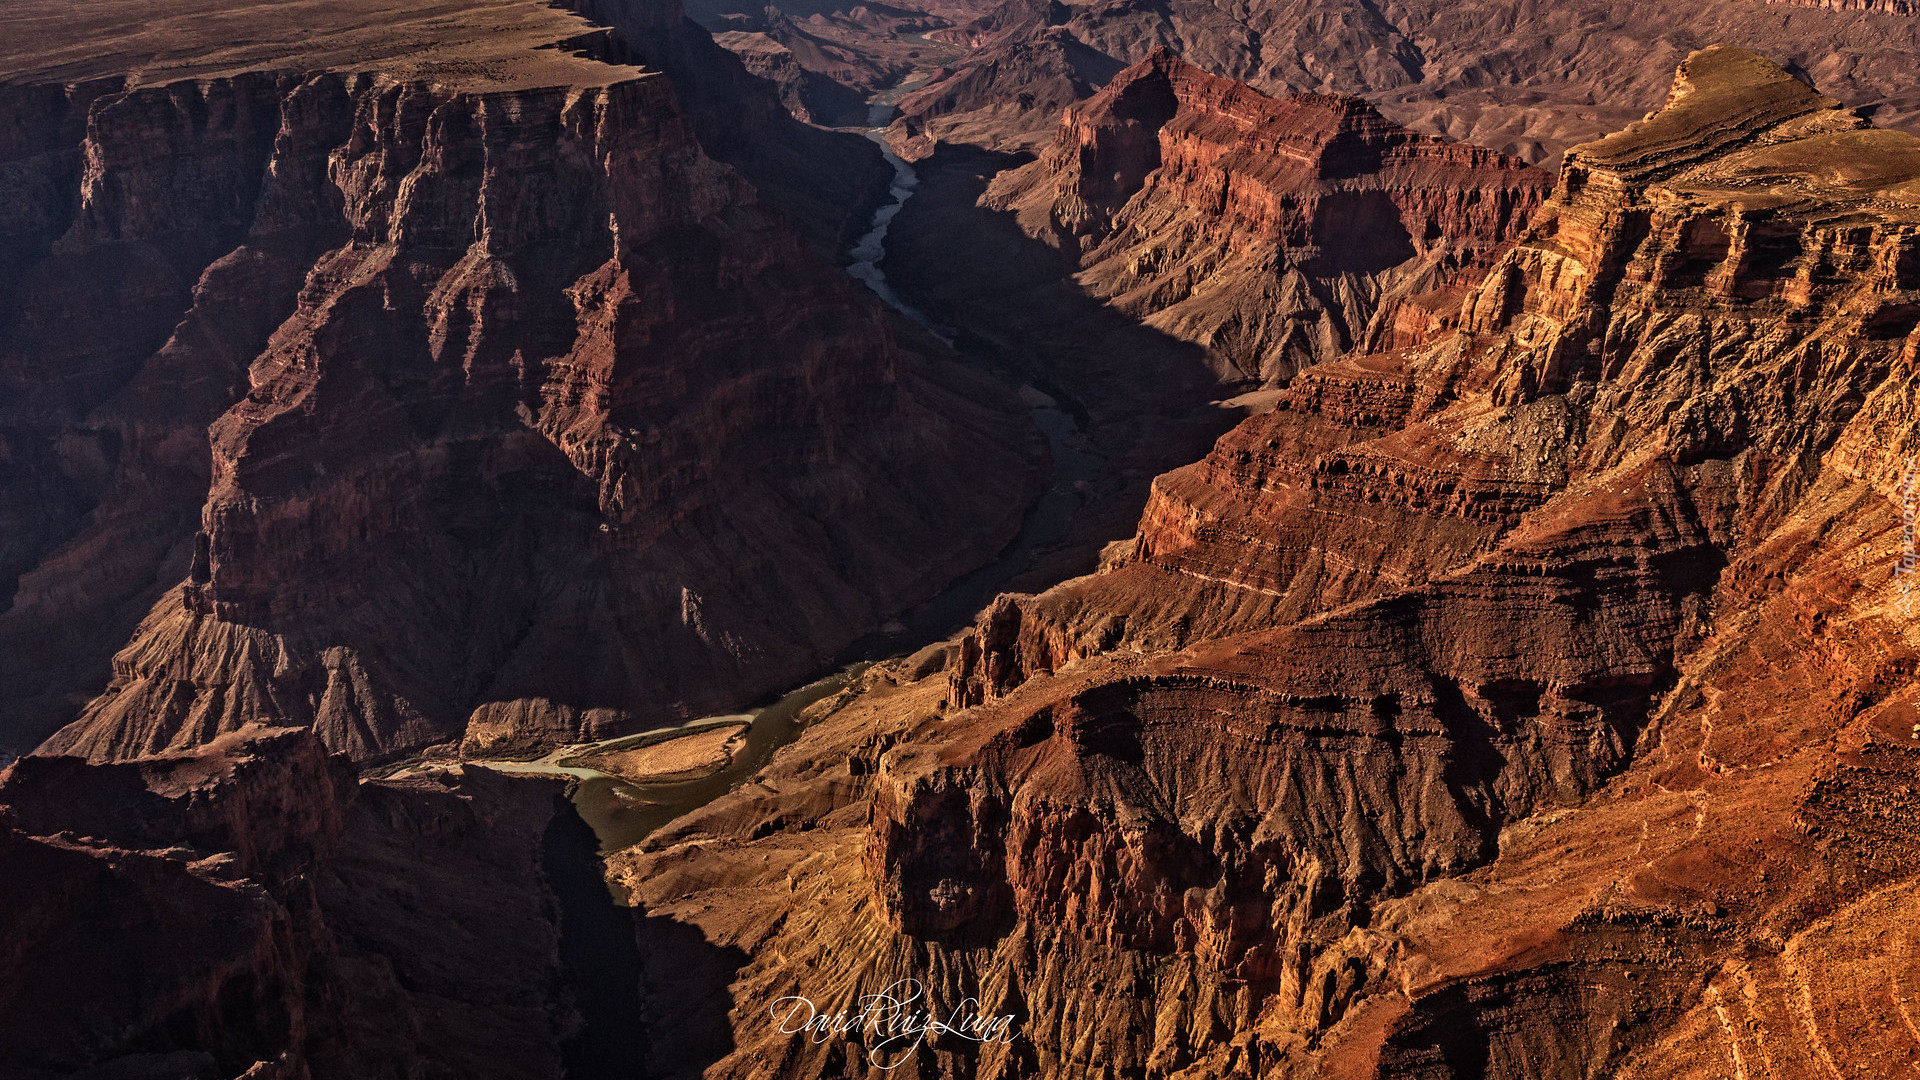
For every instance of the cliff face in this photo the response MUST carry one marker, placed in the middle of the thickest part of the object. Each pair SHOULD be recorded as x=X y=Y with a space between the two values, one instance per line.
x=242 y=908
x=1272 y=232
x=825 y=182
x=527 y=419
x=1708 y=238
x=1530 y=702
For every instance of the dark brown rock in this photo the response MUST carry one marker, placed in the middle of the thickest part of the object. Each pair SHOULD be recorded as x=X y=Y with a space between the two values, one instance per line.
x=493 y=352
x=251 y=909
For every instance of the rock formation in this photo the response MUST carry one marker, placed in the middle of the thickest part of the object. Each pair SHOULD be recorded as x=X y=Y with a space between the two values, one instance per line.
x=1275 y=233
x=527 y=419
x=1530 y=701
x=249 y=908
x=1525 y=79
x=825 y=182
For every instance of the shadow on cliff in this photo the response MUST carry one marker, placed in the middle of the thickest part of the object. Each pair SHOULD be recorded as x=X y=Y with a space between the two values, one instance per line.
x=652 y=993
x=1145 y=398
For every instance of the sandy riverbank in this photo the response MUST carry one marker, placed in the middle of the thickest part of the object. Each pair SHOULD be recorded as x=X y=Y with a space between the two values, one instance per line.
x=694 y=756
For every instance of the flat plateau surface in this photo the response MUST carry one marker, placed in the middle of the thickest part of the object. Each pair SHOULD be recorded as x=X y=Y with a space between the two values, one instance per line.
x=491 y=44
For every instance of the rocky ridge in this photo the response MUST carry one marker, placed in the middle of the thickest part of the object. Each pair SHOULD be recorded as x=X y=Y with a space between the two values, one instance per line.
x=1274 y=233
x=1528 y=79
x=1328 y=773
x=490 y=355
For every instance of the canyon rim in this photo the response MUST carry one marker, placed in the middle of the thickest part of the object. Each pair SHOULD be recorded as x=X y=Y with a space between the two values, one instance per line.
x=1099 y=540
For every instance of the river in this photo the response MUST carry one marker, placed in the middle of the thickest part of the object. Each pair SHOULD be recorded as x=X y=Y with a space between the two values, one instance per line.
x=597 y=945
x=623 y=813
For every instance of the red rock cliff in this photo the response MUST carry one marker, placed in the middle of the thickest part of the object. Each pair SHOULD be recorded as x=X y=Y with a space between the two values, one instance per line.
x=536 y=422
x=1534 y=702
x=1275 y=232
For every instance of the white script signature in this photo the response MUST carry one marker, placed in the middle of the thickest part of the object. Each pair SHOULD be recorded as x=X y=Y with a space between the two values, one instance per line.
x=895 y=1018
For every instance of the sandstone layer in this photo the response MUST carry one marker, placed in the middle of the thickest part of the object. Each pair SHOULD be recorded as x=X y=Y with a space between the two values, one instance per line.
x=1274 y=233
x=1534 y=701
x=459 y=394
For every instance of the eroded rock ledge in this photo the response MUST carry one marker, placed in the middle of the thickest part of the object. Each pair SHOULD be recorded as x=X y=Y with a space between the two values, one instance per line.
x=1274 y=232
x=1531 y=702
x=529 y=421
x=252 y=909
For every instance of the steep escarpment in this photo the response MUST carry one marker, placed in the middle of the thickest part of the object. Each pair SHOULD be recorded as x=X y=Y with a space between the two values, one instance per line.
x=493 y=359
x=149 y=257
x=1528 y=702
x=825 y=182
x=1273 y=232
x=238 y=909
x=1186 y=240
x=1725 y=234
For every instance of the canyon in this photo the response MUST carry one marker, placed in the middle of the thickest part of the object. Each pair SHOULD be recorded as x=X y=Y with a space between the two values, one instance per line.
x=1335 y=541
x=416 y=372
x=1530 y=702
x=1528 y=79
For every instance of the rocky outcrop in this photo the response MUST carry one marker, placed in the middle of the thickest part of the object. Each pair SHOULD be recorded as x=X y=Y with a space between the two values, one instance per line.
x=1273 y=232
x=159 y=908
x=251 y=906
x=1532 y=702
x=1619 y=292
x=1608 y=431
x=490 y=358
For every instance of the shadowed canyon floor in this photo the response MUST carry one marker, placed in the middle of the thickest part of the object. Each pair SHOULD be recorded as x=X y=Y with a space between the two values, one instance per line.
x=1463 y=626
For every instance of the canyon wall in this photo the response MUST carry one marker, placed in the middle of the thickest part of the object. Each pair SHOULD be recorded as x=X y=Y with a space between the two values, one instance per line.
x=528 y=421
x=1527 y=79
x=1274 y=233
x=827 y=183
x=251 y=909
x=1533 y=701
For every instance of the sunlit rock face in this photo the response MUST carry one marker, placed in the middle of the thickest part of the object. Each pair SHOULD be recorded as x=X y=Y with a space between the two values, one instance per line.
x=1273 y=232
x=1534 y=701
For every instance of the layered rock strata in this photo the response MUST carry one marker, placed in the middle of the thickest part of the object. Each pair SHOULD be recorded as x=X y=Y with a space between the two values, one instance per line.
x=1533 y=702
x=1275 y=233
x=528 y=420
x=1528 y=81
